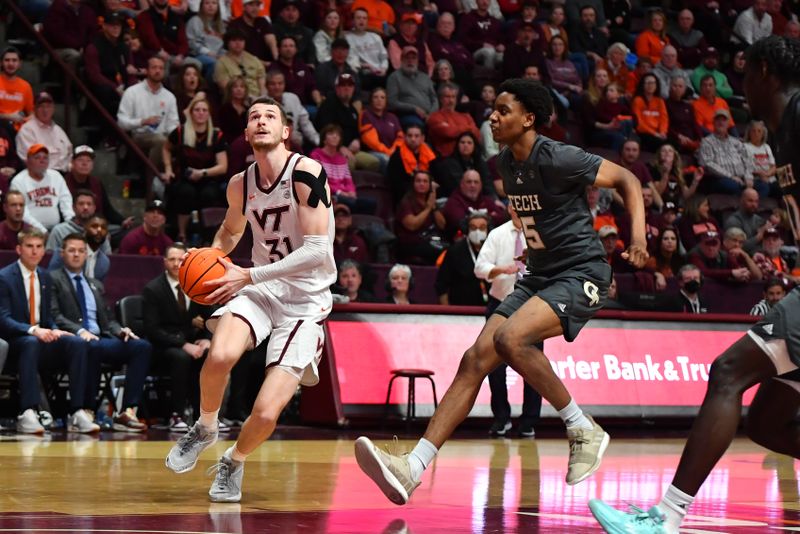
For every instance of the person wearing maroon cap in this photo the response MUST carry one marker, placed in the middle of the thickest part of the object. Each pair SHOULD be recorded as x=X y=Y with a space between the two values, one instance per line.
x=47 y=197
x=340 y=110
x=42 y=129
x=347 y=244
x=148 y=239
x=716 y=263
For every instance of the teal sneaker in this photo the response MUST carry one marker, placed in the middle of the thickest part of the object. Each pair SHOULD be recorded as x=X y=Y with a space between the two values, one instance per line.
x=614 y=521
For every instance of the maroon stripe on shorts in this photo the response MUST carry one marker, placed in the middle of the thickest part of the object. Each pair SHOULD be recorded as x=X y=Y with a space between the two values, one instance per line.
x=252 y=330
x=286 y=346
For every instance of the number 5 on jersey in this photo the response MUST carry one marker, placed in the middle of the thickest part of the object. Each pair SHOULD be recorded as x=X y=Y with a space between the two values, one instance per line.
x=531 y=235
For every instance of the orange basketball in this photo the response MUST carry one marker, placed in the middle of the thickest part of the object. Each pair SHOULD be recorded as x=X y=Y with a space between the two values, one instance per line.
x=200 y=266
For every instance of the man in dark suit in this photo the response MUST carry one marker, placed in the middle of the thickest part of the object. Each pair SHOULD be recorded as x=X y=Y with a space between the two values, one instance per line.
x=35 y=341
x=176 y=327
x=79 y=308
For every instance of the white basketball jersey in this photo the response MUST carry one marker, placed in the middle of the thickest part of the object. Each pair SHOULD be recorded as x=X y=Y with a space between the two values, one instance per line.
x=273 y=215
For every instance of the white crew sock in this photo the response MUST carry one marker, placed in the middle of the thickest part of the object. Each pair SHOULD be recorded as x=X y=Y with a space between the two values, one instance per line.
x=234 y=454
x=421 y=457
x=209 y=419
x=573 y=416
x=674 y=506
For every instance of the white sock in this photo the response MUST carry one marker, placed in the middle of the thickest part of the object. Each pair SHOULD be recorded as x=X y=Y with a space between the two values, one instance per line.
x=209 y=419
x=674 y=506
x=234 y=454
x=573 y=416
x=421 y=457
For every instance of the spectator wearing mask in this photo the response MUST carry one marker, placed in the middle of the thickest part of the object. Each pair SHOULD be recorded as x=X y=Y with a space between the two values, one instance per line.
x=148 y=239
x=13 y=223
x=501 y=262
x=47 y=197
x=774 y=291
x=456 y=283
x=689 y=300
x=467 y=198
x=42 y=129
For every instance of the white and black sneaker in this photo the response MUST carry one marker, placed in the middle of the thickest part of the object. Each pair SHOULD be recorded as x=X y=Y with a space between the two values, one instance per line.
x=500 y=428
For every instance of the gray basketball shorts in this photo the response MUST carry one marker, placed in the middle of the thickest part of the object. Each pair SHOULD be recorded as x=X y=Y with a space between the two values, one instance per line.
x=574 y=295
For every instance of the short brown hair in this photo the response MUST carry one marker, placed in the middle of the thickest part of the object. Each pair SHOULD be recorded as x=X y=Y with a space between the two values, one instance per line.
x=29 y=233
x=269 y=101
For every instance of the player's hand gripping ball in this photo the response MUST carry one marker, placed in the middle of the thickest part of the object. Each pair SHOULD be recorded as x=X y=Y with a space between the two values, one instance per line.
x=200 y=266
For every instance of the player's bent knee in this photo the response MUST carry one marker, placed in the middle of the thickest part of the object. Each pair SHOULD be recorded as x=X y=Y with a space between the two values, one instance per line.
x=723 y=374
x=473 y=363
x=264 y=418
x=221 y=359
x=506 y=344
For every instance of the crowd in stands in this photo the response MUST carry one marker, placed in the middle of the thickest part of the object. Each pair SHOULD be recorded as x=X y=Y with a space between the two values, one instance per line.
x=393 y=99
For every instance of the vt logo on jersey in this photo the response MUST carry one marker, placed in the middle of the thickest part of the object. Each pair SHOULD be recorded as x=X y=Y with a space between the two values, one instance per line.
x=262 y=216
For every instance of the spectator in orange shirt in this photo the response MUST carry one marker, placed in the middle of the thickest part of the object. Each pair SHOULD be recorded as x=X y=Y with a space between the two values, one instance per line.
x=447 y=124
x=707 y=105
x=650 y=112
x=652 y=41
x=643 y=66
x=16 y=95
x=381 y=16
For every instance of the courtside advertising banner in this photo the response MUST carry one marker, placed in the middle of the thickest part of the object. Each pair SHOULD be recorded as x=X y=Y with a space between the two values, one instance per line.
x=623 y=368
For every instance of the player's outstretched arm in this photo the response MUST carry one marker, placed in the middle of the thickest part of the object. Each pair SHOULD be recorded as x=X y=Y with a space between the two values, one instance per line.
x=232 y=228
x=314 y=198
x=611 y=175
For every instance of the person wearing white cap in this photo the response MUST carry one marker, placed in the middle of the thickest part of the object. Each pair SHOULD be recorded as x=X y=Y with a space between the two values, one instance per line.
x=43 y=129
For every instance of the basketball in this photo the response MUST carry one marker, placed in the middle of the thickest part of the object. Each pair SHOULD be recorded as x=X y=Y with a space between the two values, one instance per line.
x=200 y=266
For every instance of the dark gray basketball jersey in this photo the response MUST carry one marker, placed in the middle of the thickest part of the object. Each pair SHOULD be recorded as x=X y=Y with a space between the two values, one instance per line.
x=548 y=191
